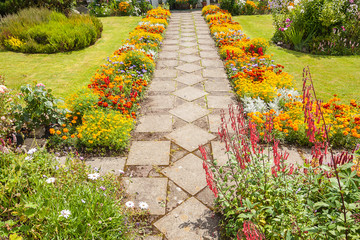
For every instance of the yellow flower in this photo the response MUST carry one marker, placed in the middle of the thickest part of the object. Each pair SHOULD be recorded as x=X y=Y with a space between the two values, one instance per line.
x=58 y=132
x=64 y=137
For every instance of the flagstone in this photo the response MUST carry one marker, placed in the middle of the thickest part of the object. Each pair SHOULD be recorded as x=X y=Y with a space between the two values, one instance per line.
x=190 y=79
x=188 y=44
x=189 y=67
x=168 y=55
x=149 y=190
x=189 y=112
x=149 y=153
x=192 y=220
x=158 y=123
x=106 y=165
x=162 y=86
x=219 y=101
x=165 y=73
x=160 y=102
x=214 y=72
x=190 y=137
x=188 y=173
x=212 y=63
x=190 y=93
x=209 y=54
x=189 y=58
x=188 y=50
x=212 y=86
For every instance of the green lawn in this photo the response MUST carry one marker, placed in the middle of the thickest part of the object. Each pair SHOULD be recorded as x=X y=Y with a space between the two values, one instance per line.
x=65 y=73
x=332 y=75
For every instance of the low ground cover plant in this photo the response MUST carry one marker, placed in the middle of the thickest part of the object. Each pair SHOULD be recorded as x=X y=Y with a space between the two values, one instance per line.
x=43 y=199
x=265 y=89
x=321 y=27
x=39 y=30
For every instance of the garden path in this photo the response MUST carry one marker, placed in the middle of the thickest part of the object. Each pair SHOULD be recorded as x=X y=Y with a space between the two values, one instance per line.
x=181 y=112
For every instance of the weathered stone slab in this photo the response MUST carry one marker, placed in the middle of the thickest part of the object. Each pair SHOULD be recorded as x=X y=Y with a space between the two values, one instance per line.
x=192 y=220
x=165 y=73
x=214 y=72
x=189 y=112
x=188 y=39
x=175 y=196
x=190 y=79
x=190 y=137
x=188 y=50
x=219 y=152
x=149 y=153
x=170 y=48
x=189 y=67
x=168 y=55
x=160 y=102
x=219 y=101
x=159 y=123
x=188 y=173
x=107 y=164
x=209 y=54
x=167 y=63
x=188 y=44
x=149 y=190
x=217 y=86
x=190 y=93
x=189 y=58
x=162 y=86
x=212 y=63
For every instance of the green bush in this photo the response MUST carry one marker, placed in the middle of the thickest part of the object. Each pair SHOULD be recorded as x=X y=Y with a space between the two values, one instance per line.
x=13 y=6
x=321 y=26
x=43 y=31
x=42 y=199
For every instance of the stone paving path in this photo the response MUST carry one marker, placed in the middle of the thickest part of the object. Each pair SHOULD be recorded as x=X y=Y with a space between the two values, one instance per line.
x=181 y=112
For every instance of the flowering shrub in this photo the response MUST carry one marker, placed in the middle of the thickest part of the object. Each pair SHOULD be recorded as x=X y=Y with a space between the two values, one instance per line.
x=264 y=89
x=245 y=7
x=101 y=8
x=321 y=27
x=42 y=199
x=262 y=196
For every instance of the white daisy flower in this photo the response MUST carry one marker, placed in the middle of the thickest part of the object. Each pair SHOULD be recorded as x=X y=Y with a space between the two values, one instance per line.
x=50 y=180
x=32 y=151
x=130 y=204
x=93 y=176
x=65 y=213
x=143 y=205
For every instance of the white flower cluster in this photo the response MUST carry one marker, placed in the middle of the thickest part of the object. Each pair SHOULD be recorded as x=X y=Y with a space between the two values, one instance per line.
x=142 y=205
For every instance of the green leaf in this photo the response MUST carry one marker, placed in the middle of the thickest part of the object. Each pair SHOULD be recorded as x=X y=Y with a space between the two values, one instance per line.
x=320 y=204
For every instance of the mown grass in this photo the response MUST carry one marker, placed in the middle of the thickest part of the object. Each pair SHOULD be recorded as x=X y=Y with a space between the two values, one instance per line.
x=65 y=73
x=331 y=74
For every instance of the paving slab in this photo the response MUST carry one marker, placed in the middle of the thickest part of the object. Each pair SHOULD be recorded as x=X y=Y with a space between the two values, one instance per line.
x=149 y=153
x=190 y=93
x=190 y=79
x=209 y=54
x=107 y=164
x=162 y=86
x=214 y=72
x=190 y=137
x=189 y=67
x=168 y=55
x=189 y=58
x=188 y=39
x=153 y=238
x=170 y=48
x=160 y=102
x=176 y=196
x=216 y=86
x=206 y=42
x=207 y=197
x=212 y=63
x=165 y=73
x=188 y=50
x=188 y=173
x=170 y=42
x=219 y=101
x=192 y=220
x=189 y=112
x=158 y=123
x=166 y=63
x=149 y=190
x=188 y=44
x=219 y=152
x=190 y=34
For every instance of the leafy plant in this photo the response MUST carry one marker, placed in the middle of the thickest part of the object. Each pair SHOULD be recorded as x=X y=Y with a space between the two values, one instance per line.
x=39 y=108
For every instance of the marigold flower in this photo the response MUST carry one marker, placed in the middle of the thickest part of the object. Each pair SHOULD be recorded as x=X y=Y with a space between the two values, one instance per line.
x=58 y=132
x=52 y=131
x=64 y=137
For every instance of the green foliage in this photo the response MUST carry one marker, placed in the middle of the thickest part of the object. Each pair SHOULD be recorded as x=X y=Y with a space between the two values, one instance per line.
x=320 y=26
x=231 y=6
x=45 y=31
x=101 y=8
x=39 y=109
x=35 y=189
x=13 y=6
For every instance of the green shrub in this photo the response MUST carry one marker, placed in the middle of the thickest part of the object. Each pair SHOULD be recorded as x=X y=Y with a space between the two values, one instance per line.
x=13 y=6
x=44 y=31
x=42 y=199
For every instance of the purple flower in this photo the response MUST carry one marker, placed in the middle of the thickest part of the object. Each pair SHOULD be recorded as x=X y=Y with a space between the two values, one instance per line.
x=103 y=188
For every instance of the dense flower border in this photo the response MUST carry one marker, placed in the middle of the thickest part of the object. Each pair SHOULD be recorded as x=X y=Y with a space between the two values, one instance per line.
x=264 y=89
x=105 y=116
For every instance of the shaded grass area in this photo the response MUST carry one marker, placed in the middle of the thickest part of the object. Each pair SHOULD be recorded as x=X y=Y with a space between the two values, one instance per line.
x=65 y=73
x=331 y=74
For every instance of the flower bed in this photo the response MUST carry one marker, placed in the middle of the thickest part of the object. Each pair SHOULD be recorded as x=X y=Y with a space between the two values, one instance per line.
x=265 y=89
x=115 y=90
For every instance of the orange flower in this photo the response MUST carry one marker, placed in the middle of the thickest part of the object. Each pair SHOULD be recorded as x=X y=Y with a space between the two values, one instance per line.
x=64 y=137
x=58 y=132
x=65 y=130
x=72 y=135
x=52 y=131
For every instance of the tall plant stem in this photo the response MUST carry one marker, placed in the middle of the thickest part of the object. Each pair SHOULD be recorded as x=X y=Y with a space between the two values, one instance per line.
x=331 y=152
